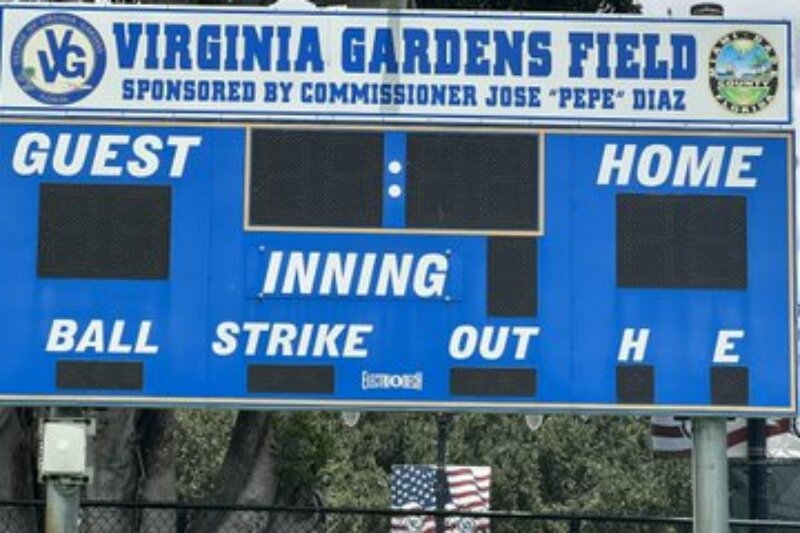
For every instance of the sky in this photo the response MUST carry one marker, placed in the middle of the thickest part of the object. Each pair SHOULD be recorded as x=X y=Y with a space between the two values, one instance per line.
x=763 y=9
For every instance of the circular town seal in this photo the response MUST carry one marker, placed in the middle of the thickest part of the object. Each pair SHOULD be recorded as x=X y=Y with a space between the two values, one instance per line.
x=58 y=58
x=743 y=72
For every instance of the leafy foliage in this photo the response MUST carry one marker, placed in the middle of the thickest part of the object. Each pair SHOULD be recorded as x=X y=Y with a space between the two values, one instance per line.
x=302 y=447
x=585 y=464
x=201 y=440
x=573 y=463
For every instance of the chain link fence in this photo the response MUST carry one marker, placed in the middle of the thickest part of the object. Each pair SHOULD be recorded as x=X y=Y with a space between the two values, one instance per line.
x=137 y=517
x=125 y=517
x=130 y=517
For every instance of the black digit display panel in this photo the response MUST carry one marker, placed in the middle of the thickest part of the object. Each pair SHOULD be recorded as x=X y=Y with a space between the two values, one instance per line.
x=316 y=379
x=472 y=181
x=316 y=178
x=493 y=381
x=104 y=231
x=681 y=241
x=512 y=283
x=119 y=375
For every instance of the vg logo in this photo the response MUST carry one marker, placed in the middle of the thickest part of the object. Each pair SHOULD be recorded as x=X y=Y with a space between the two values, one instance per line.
x=58 y=59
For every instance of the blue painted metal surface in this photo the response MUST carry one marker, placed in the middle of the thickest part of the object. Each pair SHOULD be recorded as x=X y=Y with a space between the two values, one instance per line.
x=218 y=269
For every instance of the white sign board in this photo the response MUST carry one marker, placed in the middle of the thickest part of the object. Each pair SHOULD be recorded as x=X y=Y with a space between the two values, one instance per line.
x=414 y=66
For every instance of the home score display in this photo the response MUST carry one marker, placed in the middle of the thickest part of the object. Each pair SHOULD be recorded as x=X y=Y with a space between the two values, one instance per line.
x=388 y=268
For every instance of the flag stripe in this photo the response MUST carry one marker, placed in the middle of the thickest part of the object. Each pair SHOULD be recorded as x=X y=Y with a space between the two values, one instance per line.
x=671 y=437
x=464 y=484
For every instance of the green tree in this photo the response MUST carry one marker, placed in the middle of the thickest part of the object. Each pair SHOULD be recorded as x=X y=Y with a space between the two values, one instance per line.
x=572 y=464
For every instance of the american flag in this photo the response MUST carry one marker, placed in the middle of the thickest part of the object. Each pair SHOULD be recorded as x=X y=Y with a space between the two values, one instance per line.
x=673 y=437
x=414 y=487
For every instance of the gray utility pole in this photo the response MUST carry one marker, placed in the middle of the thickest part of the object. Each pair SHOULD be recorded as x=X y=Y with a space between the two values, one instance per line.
x=63 y=505
x=710 y=475
x=63 y=466
x=710 y=442
x=442 y=428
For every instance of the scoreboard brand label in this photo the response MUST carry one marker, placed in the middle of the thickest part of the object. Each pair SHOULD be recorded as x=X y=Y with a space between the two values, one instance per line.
x=378 y=66
x=439 y=268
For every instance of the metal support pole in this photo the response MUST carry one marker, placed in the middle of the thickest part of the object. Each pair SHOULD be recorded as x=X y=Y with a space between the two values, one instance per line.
x=63 y=494
x=63 y=504
x=757 y=471
x=442 y=427
x=710 y=475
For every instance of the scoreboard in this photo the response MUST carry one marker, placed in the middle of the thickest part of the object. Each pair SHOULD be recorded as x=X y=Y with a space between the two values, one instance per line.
x=291 y=207
x=358 y=267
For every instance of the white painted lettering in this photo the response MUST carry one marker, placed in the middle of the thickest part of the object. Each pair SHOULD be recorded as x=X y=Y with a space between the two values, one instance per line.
x=338 y=274
x=723 y=351
x=431 y=275
x=280 y=341
x=327 y=336
x=182 y=144
x=145 y=148
x=80 y=152
x=365 y=280
x=634 y=343
x=273 y=270
x=305 y=339
x=394 y=273
x=493 y=351
x=115 y=344
x=354 y=342
x=524 y=335
x=62 y=335
x=346 y=274
x=300 y=274
x=69 y=154
x=696 y=171
x=612 y=163
x=254 y=331
x=663 y=165
x=143 y=345
x=92 y=338
x=226 y=335
x=30 y=155
x=491 y=342
x=285 y=339
x=654 y=165
x=106 y=154
x=463 y=341
x=739 y=165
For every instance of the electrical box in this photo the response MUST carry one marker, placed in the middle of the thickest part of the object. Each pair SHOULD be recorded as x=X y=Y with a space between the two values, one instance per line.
x=63 y=449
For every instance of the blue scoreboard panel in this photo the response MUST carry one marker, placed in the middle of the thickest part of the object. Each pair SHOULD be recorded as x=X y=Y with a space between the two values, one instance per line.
x=350 y=267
